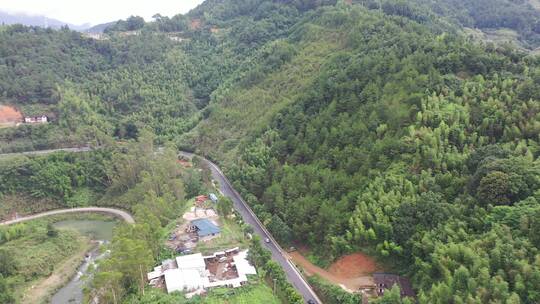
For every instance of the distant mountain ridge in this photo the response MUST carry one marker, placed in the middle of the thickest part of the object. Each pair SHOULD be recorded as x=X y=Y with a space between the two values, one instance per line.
x=41 y=21
x=99 y=28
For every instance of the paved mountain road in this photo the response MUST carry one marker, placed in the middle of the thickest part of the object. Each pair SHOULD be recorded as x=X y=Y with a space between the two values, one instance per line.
x=119 y=213
x=292 y=273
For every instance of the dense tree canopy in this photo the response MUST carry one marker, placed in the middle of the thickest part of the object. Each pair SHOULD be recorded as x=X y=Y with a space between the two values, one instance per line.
x=374 y=126
x=405 y=142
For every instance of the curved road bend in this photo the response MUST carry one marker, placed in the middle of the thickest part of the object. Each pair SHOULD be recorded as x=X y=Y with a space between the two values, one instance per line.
x=292 y=273
x=119 y=213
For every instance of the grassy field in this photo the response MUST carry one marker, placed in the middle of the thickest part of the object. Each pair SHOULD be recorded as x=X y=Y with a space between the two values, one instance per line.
x=36 y=256
x=43 y=260
x=253 y=294
x=44 y=288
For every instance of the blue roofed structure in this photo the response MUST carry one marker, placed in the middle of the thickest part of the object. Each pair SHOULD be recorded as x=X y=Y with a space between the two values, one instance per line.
x=205 y=227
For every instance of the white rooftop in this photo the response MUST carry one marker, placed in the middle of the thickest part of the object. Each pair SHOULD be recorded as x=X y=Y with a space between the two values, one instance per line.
x=184 y=279
x=192 y=261
x=242 y=264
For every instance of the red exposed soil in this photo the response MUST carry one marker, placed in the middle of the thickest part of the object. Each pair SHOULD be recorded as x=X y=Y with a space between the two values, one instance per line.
x=353 y=265
x=195 y=24
x=351 y=271
x=9 y=115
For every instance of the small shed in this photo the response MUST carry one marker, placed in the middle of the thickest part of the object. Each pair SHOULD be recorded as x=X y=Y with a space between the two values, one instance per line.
x=205 y=228
x=213 y=197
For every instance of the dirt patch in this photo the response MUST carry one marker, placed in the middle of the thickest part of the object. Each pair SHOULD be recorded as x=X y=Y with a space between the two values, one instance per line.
x=353 y=265
x=221 y=269
x=199 y=213
x=347 y=281
x=195 y=24
x=9 y=115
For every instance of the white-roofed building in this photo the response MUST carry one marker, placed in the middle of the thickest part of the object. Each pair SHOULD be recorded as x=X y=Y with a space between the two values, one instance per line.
x=190 y=273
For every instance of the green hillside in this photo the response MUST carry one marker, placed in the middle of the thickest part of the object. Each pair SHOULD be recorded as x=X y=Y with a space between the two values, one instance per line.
x=376 y=133
x=388 y=127
x=519 y=16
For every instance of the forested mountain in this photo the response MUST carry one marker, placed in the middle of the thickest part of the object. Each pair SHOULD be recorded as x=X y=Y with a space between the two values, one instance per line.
x=31 y=20
x=358 y=125
x=99 y=28
x=370 y=131
x=506 y=20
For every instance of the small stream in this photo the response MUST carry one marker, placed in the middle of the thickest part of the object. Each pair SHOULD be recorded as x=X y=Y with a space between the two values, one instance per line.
x=98 y=230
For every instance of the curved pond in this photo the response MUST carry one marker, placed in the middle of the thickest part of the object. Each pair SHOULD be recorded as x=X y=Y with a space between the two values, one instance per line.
x=99 y=230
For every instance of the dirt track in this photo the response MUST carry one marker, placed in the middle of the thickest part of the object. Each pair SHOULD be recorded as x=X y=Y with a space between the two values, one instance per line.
x=355 y=276
x=9 y=115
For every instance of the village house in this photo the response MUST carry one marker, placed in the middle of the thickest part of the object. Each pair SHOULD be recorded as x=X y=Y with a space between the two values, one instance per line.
x=36 y=119
x=205 y=229
x=96 y=36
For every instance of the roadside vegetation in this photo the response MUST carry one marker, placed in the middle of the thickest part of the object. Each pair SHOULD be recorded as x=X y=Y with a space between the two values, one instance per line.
x=258 y=293
x=24 y=204
x=332 y=294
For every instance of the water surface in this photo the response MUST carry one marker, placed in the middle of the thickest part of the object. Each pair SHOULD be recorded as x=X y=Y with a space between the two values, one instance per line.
x=95 y=229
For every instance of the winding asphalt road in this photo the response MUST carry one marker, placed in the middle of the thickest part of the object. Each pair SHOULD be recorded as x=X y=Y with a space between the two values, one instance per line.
x=292 y=273
x=119 y=213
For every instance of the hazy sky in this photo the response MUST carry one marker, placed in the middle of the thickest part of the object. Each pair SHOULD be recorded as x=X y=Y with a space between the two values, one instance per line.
x=97 y=11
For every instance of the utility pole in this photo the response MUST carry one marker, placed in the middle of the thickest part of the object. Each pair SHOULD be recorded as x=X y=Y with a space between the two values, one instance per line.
x=113 y=295
x=142 y=279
